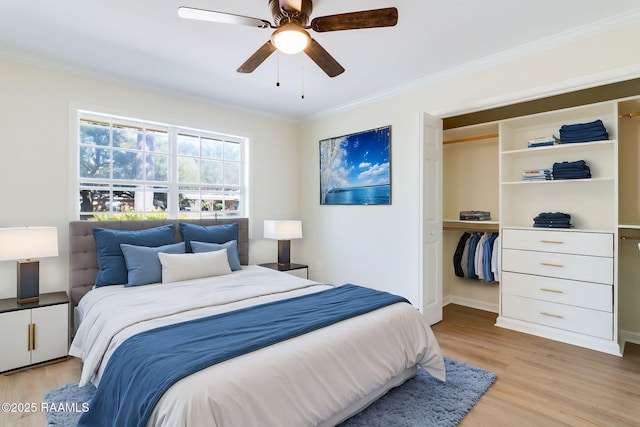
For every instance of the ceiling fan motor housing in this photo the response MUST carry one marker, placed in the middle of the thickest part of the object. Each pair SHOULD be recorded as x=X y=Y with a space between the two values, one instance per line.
x=282 y=15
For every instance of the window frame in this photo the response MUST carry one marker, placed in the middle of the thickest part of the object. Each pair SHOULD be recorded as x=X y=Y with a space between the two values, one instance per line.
x=224 y=200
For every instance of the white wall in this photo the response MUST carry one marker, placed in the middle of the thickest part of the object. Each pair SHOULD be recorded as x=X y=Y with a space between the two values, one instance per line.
x=375 y=246
x=378 y=246
x=36 y=173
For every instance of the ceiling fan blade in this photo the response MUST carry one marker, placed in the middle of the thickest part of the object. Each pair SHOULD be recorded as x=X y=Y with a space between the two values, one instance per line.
x=387 y=17
x=257 y=58
x=221 y=17
x=324 y=60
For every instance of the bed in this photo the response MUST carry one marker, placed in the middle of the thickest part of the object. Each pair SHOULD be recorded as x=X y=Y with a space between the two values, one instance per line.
x=318 y=376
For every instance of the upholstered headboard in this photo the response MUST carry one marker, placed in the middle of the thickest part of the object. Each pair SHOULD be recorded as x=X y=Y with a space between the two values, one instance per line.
x=83 y=260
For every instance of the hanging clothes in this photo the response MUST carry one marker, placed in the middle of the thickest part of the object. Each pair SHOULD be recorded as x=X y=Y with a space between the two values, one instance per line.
x=480 y=256
x=471 y=261
x=457 y=256
x=495 y=259
x=465 y=257
x=477 y=256
x=488 y=256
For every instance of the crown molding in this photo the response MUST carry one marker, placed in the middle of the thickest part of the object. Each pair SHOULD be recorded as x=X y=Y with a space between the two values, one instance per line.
x=601 y=27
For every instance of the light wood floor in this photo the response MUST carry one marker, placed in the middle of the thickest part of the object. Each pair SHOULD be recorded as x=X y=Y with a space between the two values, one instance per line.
x=540 y=382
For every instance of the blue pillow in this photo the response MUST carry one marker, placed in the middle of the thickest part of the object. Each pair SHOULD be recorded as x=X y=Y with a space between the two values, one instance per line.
x=112 y=269
x=208 y=233
x=232 y=251
x=143 y=264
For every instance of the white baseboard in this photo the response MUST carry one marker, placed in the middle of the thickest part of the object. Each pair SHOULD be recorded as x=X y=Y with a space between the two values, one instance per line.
x=468 y=302
x=628 y=336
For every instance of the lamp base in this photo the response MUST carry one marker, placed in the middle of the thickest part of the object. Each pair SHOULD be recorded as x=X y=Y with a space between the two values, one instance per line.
x=284 y=253
x=28 y=281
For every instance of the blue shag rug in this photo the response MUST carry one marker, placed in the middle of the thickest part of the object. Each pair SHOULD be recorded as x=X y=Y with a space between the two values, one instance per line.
x=423 y=401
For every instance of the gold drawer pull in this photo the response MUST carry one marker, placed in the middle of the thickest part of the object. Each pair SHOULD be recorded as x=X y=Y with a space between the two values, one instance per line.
x=557 y=242
x=29 y=337
x=557 y=316
x=555 y=291
x=548 y=264
x=33 y=336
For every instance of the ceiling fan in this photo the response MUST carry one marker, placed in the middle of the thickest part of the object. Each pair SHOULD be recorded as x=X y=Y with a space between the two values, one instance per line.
x=290 y=21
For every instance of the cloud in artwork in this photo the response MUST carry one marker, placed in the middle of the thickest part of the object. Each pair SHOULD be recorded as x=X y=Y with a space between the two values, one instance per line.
x=375 y=174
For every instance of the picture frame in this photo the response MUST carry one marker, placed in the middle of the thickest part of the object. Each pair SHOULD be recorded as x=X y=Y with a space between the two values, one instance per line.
x=355 y=169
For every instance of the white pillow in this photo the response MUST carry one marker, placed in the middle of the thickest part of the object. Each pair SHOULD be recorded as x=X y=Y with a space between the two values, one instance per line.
x=178 y=267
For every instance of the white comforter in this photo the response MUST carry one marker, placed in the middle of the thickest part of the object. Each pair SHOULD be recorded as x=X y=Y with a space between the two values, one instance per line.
x=299 y=382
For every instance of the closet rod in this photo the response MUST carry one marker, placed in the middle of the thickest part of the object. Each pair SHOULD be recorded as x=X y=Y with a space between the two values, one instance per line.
x=471 y=138
x=490 y=230
x=629 y=238
x=629 y=115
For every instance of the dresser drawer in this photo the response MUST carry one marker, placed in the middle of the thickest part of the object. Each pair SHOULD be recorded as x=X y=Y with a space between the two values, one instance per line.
x=567 y=242
x=564 y=266
x=575 y=319
x=595 y=296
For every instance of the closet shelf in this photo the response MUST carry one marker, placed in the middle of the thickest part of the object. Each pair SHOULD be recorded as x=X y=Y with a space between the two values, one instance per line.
x=557 y=181
x=461 y=225
x=570 y=230
x=558 y=148
x=471 y=138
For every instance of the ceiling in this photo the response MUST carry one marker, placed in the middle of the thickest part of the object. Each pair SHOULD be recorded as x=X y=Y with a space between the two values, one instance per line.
x=144 y=42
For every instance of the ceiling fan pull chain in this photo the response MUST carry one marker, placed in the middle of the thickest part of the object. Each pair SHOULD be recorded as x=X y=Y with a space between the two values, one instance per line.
x=302 y=81
x=278 y=69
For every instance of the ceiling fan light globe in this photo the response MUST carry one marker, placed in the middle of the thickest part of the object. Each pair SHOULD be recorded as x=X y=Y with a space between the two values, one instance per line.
x=290 y=39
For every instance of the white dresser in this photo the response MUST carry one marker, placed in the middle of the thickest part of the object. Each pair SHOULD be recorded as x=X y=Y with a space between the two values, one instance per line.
x=559 y=284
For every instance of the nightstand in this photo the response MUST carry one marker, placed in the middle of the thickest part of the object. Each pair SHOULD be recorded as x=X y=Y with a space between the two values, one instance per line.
x=299 y=270
x=34 y=332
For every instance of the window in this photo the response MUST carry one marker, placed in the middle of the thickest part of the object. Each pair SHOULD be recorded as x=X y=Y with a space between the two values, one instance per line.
x=130 y=169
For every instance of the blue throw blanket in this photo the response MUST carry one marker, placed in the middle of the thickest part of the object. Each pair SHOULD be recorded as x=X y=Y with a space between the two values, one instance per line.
x=147 y=364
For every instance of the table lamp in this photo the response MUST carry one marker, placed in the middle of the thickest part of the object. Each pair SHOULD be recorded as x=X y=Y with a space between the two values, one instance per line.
x=283 y=231
x=24 y=244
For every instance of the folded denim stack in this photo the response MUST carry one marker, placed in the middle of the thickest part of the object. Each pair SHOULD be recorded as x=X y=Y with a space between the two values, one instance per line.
x=571 y=170
x=537 y=175
x=542 y=141
x=552 y=220
x=583 y=132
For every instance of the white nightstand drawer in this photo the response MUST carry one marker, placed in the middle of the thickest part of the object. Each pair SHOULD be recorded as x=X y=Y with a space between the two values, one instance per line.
x=581 y=320
x=595 y=296
x=567 y=242
x=574 y=267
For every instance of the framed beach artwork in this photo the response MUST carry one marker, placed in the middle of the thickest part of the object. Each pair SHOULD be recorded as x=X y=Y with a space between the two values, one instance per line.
x=355 y=169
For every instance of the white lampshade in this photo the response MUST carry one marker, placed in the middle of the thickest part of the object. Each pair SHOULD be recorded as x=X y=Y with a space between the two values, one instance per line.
x=290 y=39
x=282 y=230
x=18 y=243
